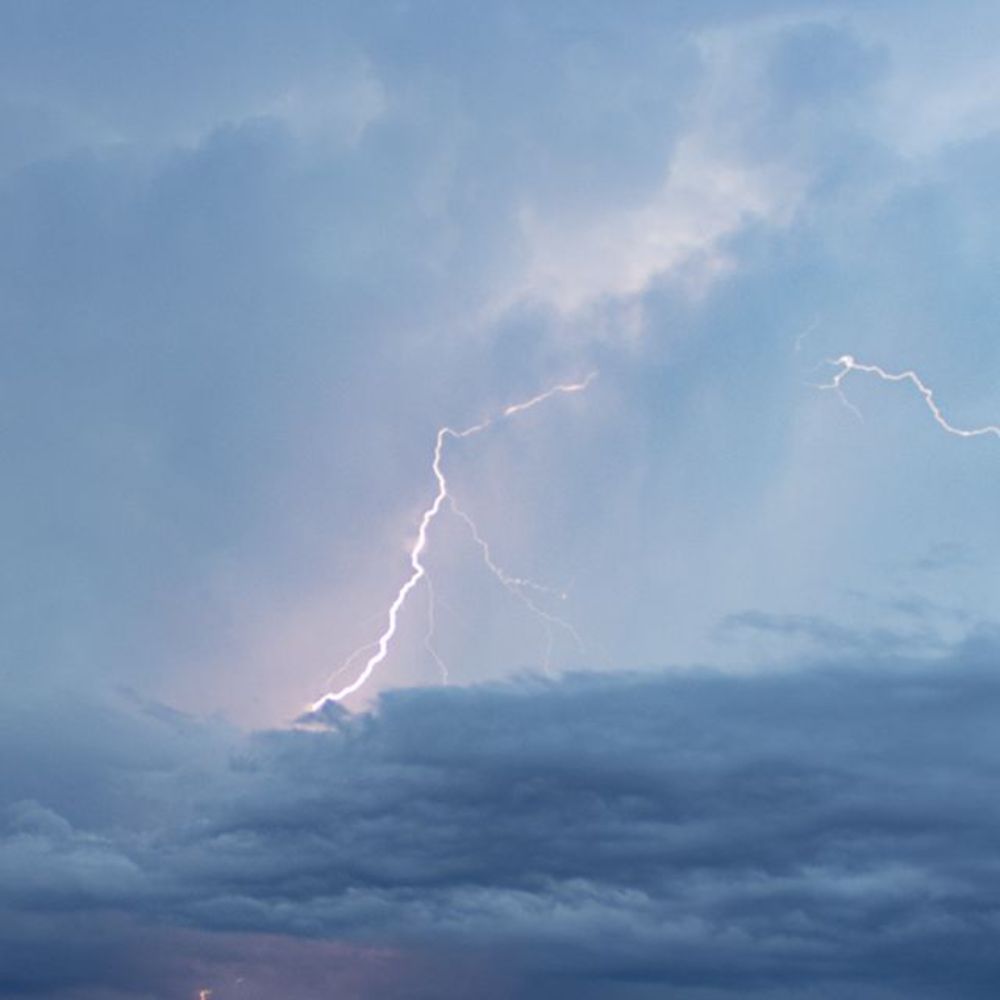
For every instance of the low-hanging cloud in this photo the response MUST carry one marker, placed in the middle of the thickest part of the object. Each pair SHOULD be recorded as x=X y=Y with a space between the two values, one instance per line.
x=827 y=829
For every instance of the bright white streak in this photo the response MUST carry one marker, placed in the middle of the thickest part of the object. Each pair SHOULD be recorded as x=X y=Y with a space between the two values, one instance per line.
x=847 y=363
x=418 y=570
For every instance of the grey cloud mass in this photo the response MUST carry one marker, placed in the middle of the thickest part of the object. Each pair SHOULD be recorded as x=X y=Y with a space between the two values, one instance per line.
x=816 y=832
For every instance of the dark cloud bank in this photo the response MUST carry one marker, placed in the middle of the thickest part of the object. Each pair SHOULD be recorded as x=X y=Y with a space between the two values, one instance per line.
x=825 y=832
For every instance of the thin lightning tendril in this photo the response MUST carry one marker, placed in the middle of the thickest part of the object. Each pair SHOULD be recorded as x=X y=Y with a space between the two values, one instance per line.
x=505 y=578
x=517 y=586
x=429 y=634
x=418 y=571
x=346 y=665
x=846 y=364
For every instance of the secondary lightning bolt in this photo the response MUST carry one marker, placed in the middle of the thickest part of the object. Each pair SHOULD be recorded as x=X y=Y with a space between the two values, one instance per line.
x=429 y=634
x=418 y=571
x=517 y=586
x=846 y=364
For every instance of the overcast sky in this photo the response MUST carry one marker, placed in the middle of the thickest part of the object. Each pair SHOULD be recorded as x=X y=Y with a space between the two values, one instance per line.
x=254 y=255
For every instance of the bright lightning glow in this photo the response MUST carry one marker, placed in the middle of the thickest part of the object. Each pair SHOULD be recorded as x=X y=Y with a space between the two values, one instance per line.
x=846 y=364
x=418 y=571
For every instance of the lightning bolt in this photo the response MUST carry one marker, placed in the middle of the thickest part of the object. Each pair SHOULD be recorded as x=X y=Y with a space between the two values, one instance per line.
x=418 y=571
x=846 y=364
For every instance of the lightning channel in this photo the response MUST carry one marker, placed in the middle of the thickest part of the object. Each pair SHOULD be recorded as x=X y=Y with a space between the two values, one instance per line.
x=847 y=363
x=418 y=570
x=518 y=586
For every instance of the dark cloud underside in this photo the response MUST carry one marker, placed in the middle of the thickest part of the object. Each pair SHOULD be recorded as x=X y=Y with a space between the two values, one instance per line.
x=823 y=831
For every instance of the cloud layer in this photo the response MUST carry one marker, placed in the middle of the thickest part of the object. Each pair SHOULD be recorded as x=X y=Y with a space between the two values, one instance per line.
x=805 y=833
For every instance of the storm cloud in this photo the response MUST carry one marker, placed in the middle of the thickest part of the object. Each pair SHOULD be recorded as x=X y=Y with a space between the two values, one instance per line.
x=253 y=255
x=815 y=831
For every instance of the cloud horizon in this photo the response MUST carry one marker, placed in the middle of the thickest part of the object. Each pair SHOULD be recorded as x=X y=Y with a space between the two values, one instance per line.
x=792 y=832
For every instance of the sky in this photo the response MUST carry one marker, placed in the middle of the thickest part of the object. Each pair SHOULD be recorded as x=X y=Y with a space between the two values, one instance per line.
x=738 y=741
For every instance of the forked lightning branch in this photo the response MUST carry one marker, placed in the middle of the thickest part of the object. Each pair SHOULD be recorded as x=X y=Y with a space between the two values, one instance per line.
x=847 y=363
x=444 y=501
